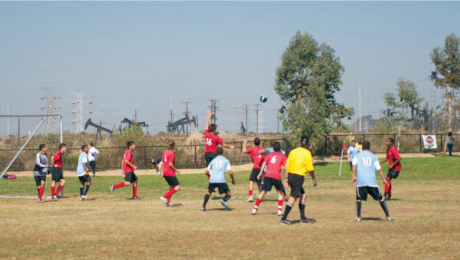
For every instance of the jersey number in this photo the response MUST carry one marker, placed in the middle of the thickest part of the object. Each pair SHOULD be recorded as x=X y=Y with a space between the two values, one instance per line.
x=166 y=159
x=208 y=141
x=367 y=161
x=273 y=160
x=218 y=164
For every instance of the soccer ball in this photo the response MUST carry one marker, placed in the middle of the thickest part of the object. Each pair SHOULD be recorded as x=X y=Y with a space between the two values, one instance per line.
x=263 y=98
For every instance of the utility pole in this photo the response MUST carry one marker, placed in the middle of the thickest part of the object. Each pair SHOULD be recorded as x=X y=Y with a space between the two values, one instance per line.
x=247 y=116
x=187 y=114
x=170 y=107
x=257 y=119
x=360 y=106
x=135 y=116
x=213 y=108
x=50 y=107
x=79 y=111
x=19 y=129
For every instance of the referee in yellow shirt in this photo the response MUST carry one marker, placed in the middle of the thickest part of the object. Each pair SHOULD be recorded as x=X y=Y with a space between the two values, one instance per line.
x=298 y=164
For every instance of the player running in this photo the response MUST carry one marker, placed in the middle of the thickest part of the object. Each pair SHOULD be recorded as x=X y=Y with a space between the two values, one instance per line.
x=212 y=141
x=157 y=162
x=128 y=168
x=274 y=162
x=352 y=151
x=367 y=163
x=298 y=163
x=83 y=172
x=216 y=172
x=394 y=166
x=169 y=173
x=57 y=174
x=40 y=170
x=258 y=160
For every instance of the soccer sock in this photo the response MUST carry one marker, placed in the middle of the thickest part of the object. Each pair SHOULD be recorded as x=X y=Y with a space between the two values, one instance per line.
x=302 y=209
x=258 y=201
x=286 y=211
x=280 y=205
x=59 y=189
x=387 y=187
x=227 y=197
x=38 y=191
x=81 y=192
x=52 y=191
x=250 y=193
x=169 y=194
x=134 y=191
x=119 y=185
x=86 y=190
x=40 y=194
x=358 y=209
x=206 y=198
x=384 y=207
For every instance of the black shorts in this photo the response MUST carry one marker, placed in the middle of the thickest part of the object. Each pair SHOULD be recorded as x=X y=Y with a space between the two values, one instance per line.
x=270 y=182
x=56 y=174
x=209 y=157
x=157 y=160
x=253 y=176
x=84 y=178
x=222 y=187
x=392 y=174
x=361 y=193
x=92 y=164
x=130 y=177
x=296 y=182
x=39 y=179
x=172 y=180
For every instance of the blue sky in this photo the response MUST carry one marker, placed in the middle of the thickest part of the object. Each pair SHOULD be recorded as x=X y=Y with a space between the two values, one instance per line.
x=129 y=56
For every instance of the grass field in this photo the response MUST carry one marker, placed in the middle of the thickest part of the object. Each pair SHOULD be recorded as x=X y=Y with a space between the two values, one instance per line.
x=425 y=209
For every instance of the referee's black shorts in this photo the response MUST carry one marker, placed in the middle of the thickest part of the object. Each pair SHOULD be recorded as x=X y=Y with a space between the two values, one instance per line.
x=296 y=182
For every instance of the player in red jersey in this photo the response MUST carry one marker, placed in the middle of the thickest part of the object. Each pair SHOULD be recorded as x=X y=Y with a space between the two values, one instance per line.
x=274 y=162
x=394 y=165
x=56 y=172
x=258 y=159
x=128 y=168
x=212 y=141
x=169 y=171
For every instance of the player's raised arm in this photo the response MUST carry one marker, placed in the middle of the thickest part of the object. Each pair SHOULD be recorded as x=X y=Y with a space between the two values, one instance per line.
x=264 y=151
x=209 y=118
x=245 y=144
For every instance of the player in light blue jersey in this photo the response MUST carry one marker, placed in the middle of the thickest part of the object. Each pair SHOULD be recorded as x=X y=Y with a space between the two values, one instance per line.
x=216 y=170
x=82 y=172
x=352 y=151
x=366 y=164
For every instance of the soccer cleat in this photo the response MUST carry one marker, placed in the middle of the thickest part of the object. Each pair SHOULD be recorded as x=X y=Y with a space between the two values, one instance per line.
x=250 y=199
x=84 y=197
x=254 y=211
x=358 y=219
x=225 y=205
x=112 y=189
x=159 y=173
x=390 y=218
x=165 y=200
x=285 y=222
x=40 y=201
x=280 y=212
x=389 y=198
x=54 y=197
x=94 y=175
x=135 y=198
x=203 y=209
x=306 y=221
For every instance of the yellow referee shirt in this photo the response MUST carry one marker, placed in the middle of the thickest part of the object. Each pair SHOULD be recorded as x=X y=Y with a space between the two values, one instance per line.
x=299 y=161
x=360 y=147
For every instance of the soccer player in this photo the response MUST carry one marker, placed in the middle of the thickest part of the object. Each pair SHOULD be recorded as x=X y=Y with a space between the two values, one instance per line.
x=157 y=162
x=366 y=164
x=274 y=162
x=394 y=166
x=265 y=152
x=258 y=160
x=56 y=172
x=216 y=172
x=92 y=157
x=212 y=141
x=352 y=151
x=40 y=170
x=83 y=172
x=360 y=144
x=298 y=163
x=169 y=173
x=127 y=169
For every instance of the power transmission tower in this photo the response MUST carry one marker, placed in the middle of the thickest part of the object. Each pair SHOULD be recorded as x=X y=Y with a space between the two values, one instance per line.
x=50 y=107
x=257 y=119
x=360 y=106
x=79 y=111
x=187 y=113
x=213 y=108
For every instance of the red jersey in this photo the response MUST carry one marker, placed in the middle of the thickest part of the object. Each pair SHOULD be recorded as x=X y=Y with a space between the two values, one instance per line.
x=275 y=161
x=393 y=155
x=212 y=142
x=58 y=159
x=257 y=158
x=128 y=156
x=168 y=156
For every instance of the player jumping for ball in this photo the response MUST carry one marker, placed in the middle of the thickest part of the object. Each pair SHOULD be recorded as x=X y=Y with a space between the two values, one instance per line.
x=258 y=160
x=394 y=166
x=366 y=164
x=274 y=162
x=216 y=172
x=57 y=174
x=128 y=168
x=212 y=141
x=169 y=171
x=83 y=172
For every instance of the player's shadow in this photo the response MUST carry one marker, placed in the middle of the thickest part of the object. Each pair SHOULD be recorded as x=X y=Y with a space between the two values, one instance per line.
x=298 y=222
x=47 y=201
x=91 y=199
x=373 y=219
x=392 y=199
x=219 y=209
x=176 y=205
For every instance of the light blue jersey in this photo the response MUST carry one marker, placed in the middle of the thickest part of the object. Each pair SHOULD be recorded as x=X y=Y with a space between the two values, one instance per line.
x=82 y=159
x=353 y=151
x=366 y=164
x=270 y=150
x=217 y=168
